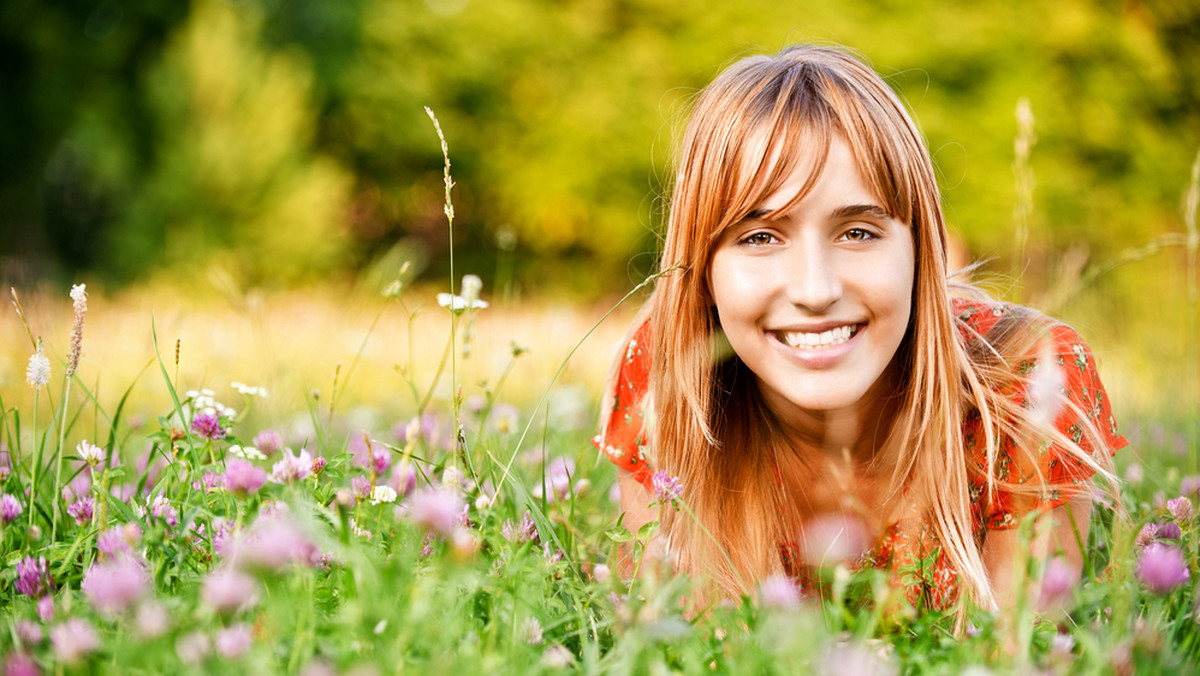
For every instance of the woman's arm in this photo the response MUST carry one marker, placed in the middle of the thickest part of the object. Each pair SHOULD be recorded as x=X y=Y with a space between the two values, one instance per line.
x=636 y=505
x=1059 y=531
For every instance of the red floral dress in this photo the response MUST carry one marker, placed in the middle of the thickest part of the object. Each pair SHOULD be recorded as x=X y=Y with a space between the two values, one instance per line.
x=911 y=540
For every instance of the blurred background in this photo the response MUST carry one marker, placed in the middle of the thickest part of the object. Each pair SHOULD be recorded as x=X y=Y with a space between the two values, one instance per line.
x=242 y=151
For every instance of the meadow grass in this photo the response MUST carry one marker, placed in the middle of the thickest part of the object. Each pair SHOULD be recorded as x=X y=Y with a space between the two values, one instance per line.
x=514 y=578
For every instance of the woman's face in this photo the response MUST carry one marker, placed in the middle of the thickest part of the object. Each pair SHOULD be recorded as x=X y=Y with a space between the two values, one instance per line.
x=817 y=302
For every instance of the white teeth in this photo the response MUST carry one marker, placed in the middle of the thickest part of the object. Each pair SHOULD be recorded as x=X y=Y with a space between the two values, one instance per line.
x=824 y=339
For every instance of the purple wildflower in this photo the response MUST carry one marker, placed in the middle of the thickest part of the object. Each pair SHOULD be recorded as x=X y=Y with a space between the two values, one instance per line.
x=318 y=465
x=1169 y=531
x=82 y=510
x=151 y=619
x=33 y=577
x=29 y=632
x=1161 y=567
x=20 y=664
x=160 y=507
x=10 y=508
x=74 y=640
x=242 y=478
x=119 y=539
x=45 y=608
x=193 y=647
x=778 y=591
x=233 y=641
x=1181 y=510
x=113 y=586
x=1058 y=581
x=1190 y=484
x=404 y=479
x=274 y=543
x=228 y=590
x=5 y=463
x=1146 y=535
x=292 y=467
x=211 y=481
x=525 y=532
x=80 y=487
x=368 y=457
x=269 y=442
x=208 y=425
x=360 y=486
x=666 y=487
x=438 y=510
x=556 y=481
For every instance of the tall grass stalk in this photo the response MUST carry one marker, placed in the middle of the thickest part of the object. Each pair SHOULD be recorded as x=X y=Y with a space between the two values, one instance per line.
x=1023 y=174
x=1190 y=204
x=448 y=209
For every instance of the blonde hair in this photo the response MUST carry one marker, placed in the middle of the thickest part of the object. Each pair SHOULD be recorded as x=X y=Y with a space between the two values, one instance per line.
x=749 y=129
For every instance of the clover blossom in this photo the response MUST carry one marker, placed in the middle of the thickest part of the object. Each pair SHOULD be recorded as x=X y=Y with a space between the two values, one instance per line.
x=274 y=543
x=524 y=532
x=233 y=642
x=74 y=640
x=360 y=486
x=438 y=510
x=160 y=507
x=242 y=478
x=113 y=586
x=1058 y=582
x=1161 y=568
x=1181 y=510
x=292 y=467
x=33 y=577
x=90 y=453
x=10 y=508
x=208 y=425
x=666 y=487
x=268 y=441
x=82 y=510
x=119 y=539
x=228 y=590
x=383 y=494
x=778 y=591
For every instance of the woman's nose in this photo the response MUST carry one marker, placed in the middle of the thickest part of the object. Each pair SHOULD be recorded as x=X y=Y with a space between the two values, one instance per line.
x=814 y=282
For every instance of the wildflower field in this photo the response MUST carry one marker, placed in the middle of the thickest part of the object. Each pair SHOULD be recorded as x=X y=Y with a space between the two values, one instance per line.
x=391 y=485
x=175 y=519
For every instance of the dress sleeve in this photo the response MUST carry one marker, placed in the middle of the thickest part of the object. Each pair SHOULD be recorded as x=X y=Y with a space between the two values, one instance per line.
x=623 y=435
x=1063 y=473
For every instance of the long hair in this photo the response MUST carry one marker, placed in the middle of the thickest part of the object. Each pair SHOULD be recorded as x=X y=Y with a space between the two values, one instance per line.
x=756 y=122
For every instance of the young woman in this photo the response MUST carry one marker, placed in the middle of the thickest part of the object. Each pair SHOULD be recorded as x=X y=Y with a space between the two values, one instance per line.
x=810 y=375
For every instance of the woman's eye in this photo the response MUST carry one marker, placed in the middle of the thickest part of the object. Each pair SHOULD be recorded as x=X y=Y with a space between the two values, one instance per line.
x=758 y=238
x=858 y=235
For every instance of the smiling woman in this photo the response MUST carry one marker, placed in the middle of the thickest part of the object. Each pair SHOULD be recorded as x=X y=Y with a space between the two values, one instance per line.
x=865 y=406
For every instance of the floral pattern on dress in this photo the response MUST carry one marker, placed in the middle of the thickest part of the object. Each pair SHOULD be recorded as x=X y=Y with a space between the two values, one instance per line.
x=909 y=548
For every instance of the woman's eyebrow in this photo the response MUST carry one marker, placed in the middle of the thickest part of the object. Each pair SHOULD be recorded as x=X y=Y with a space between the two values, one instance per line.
x=854 y=210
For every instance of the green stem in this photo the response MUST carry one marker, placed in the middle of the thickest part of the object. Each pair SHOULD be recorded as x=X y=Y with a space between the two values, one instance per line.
x=37 y=462
x=62 y=436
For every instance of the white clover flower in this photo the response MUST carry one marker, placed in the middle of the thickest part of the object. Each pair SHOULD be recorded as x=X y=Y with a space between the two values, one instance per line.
x=383 y=494
x=247 y=452
x=458 y=303
x=38 y=372
x=249 y=390
x=89 y=453
x=471 y=286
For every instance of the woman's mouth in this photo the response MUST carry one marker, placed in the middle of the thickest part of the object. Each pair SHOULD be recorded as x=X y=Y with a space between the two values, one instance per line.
x=816 y=340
